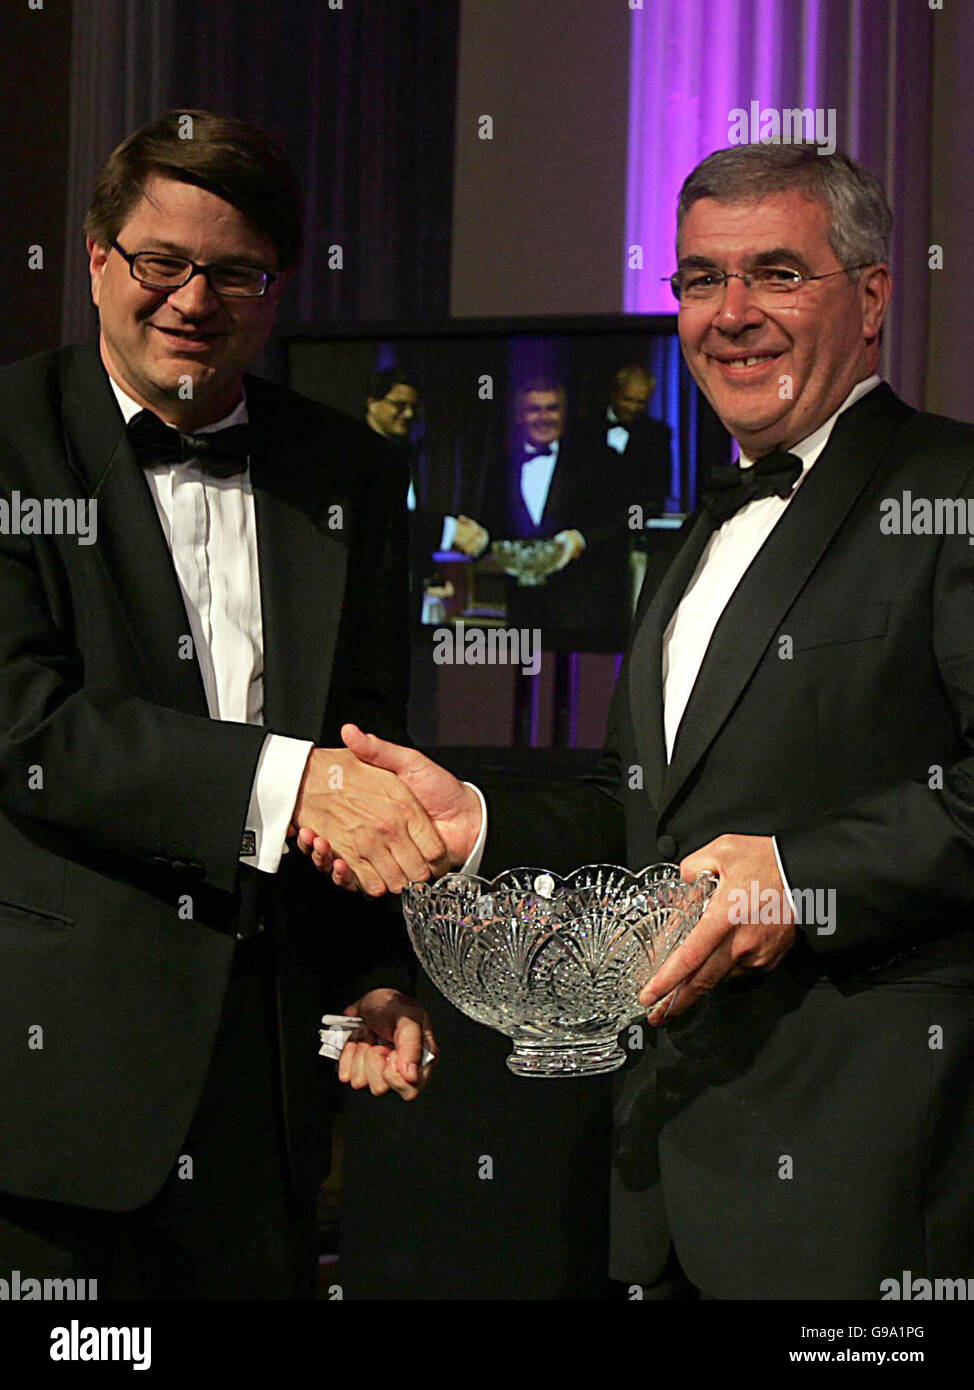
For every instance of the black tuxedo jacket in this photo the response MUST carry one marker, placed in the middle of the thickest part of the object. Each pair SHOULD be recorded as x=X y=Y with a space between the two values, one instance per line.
x=641 y=474
x=590 y=492
x=122 y=803
x=810 y=1131
x=503 y=510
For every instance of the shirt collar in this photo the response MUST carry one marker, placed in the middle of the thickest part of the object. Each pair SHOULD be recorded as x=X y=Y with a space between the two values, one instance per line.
x=129 y=408
x=809 y=448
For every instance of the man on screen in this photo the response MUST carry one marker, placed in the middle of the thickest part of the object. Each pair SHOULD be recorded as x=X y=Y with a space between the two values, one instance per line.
x=795 y=714
x=170 y=704
x=554 y=485
x=544 y=487
x=634 y=449
x=393 y=403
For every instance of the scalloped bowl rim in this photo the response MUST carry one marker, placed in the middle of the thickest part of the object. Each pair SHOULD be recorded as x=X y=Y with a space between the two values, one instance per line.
x=421 y=887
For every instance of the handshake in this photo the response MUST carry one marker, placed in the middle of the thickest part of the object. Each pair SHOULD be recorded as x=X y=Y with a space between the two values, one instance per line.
x=377 y=816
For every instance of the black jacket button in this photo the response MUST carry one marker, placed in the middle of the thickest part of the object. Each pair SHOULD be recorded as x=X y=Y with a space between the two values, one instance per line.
x=668 y=848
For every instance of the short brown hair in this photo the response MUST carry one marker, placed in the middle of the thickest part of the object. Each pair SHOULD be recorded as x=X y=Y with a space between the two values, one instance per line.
x=231 y=158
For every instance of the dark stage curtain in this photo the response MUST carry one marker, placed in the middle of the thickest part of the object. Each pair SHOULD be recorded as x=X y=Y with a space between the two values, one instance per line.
x=465 y=439
x=463 y=436
x=361 y=97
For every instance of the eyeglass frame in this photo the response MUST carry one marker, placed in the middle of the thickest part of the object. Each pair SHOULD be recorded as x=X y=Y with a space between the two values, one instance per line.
x=400 y=406
x=745 y=276
x=195 y=269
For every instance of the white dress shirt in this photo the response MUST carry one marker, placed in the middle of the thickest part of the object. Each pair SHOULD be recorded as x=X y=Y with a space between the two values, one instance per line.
x=536 y=475
x=616 y=435
x=210 y=527
x=726 y=557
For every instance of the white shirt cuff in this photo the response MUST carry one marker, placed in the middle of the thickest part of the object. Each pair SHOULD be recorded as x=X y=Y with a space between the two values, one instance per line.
x=781 y=874
x=449 y=531
x=277 y=780
x=472 y=865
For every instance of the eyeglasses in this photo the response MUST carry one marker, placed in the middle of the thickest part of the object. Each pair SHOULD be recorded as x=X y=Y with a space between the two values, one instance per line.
x=766 y=282
x=161 y=272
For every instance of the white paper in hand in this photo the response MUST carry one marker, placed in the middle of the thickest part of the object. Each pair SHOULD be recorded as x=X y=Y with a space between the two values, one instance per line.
x=337 y=1030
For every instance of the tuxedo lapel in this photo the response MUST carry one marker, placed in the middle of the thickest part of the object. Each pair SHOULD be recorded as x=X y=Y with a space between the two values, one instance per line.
x=782 y=568
x=131 y=545
x=552 y=518
x=564 y=505
x=518 y=522
x=645 y=657
x=302 y=544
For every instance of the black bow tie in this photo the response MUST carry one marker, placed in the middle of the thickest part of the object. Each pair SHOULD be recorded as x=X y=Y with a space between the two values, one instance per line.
x=531 y=453
x=730 y=487
x=222 y=452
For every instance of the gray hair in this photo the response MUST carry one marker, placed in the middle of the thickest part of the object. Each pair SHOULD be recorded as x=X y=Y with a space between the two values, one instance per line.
x=859 y=216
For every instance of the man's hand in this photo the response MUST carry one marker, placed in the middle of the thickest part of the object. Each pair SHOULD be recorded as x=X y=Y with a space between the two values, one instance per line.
x=390 y=1058
x=724 y=941
x=470 y=537
x=453 y=808
x=572 y=545
x=369 y=817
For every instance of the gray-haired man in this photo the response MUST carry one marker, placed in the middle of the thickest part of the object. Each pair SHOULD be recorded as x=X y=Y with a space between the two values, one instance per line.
x=798 y=704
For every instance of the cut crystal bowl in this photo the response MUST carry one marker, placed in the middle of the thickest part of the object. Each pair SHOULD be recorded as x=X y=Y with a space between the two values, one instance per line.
x=555 y=963
x=531 y=561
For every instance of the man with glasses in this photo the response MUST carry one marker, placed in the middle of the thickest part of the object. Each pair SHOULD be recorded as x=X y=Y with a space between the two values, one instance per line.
x=796 y=714
x=170 y=707
x=392 y=404
x=391 y=408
